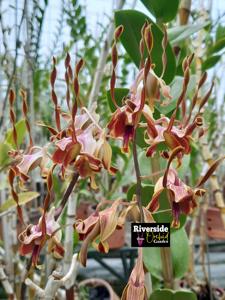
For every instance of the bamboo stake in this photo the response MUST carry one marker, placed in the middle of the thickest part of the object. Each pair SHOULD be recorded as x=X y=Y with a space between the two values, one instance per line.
x=206 y=153
x=207 y=157
x=184 y=11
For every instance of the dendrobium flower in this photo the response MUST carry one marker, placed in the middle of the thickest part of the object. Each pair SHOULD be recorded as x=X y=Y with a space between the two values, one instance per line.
x=24 y=162
x=88 y=153
x=100 y=225
x=123 y=124
x=182 y=197
x=125 y=119
x=152 y=80
x=97 y=228
x=81 y=146
x=158 y=132
x=135 y=289
x=34 y=237
x=174 y=133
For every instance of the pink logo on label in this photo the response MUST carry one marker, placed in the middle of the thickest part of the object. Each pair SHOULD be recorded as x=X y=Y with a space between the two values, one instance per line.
x=140 y=240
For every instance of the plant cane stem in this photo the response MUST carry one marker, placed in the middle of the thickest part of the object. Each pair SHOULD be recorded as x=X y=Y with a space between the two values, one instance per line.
x=148 y=281
x=167 y=267
x=166 y=257
x=138 y=177
x=66 y=195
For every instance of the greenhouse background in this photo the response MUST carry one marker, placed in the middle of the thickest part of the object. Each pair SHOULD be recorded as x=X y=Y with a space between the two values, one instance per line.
x=65 y=61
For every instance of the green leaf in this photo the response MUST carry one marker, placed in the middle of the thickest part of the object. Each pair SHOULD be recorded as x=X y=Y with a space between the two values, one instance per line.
x=172 y=295
x=20 y=130
x=163 y=10
x=166 y=217
x=220 y=32
x=210 y=62
x=75 y=238
x=133 y=21
x=146 y=193
x=152 y=261
x=180 y=33
x=179 y=251
x=162 y=294
x=24 y=198
x=120 y=93
x=140 y=137
x=4 y=158
x=195 y=167
x=185 y=295
x=219 y=45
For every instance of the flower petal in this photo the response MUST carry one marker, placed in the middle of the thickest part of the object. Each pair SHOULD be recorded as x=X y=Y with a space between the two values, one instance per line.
x=31 y=160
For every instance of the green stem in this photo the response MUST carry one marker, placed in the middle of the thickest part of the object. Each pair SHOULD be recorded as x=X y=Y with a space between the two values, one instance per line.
x=167 y=267
x=148 y=281
x=166 y=257
x=138 y=178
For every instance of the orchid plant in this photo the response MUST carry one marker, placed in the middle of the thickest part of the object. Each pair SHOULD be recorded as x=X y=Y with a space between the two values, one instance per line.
x=79 y=148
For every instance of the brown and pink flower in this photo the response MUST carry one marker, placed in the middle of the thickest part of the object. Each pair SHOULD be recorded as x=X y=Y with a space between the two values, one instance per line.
x=126 y=119
x=182 y=197
x=97 y=228
x=135 y=289
x=157 y=132
x=34 y=237
x=88 y=154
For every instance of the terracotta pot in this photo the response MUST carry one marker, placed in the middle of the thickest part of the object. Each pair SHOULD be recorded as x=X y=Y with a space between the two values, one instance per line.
x=215 y=225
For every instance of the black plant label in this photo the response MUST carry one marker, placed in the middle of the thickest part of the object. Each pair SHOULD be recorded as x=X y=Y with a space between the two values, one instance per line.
x=150 y=234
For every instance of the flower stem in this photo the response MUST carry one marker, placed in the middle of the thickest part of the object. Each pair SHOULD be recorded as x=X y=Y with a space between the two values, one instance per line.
x=66 y=195
x=138 y=177
x=166 y=257
x=167 y=267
